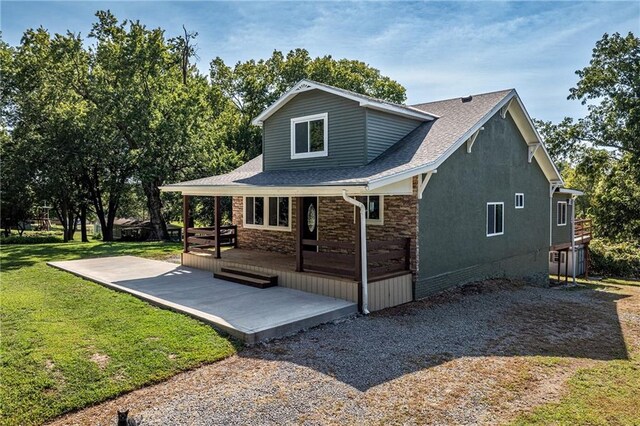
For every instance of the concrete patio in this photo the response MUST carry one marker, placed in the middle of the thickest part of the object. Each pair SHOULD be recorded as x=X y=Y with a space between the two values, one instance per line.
x=247 y=313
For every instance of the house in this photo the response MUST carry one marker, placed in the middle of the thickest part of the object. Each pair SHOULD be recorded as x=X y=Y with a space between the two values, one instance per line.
x=362 y=199
x=131 y=229
x=569 y=251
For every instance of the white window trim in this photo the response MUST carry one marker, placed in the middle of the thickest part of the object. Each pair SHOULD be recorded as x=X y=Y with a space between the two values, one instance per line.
x=486 y=219
x=266 y=215
x=372 y=221
x=307 y=118
x=554 y=256
x=566 y=213
x=516 y=200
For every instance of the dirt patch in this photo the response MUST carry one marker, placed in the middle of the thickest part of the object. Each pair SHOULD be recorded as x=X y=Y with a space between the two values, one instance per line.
x=101 y=360
x=483 y=357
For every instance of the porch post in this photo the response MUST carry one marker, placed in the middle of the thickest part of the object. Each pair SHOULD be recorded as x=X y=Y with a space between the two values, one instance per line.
x=299 y=224
x=586 y=261
x=216 y=201
x=358 y=259
x=185 y=219
x=566 y=267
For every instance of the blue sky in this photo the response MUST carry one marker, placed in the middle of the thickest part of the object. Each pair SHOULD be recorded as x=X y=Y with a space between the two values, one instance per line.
x=435 y=49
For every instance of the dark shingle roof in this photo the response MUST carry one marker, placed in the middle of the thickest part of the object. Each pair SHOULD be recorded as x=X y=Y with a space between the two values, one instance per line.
x=424 y=145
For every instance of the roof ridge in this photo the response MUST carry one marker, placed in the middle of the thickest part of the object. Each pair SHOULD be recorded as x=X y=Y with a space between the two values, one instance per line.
x=362 y=95
x=460 y=97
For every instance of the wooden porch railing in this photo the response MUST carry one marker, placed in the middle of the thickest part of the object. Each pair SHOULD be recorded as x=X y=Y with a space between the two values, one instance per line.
x=203 y=240
x=384 y=257
x=582 y=231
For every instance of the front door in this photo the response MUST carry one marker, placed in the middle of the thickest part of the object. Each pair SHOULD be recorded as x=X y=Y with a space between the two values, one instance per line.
x=310 y=221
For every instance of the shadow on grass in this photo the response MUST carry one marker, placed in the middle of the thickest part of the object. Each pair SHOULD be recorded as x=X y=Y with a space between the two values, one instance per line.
x=16 y=256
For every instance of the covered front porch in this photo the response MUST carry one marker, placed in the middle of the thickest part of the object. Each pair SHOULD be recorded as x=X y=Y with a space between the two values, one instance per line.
x=329 y=261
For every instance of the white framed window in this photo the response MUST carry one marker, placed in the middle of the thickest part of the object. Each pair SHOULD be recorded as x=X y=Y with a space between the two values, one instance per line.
x=375 y=209
x=519 y=200
x=310 y=136
x=554 y=256
x=267 y=213
x=495 y=219
x=562 y=213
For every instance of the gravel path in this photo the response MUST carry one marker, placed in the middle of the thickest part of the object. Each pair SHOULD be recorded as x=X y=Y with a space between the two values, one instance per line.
x=467 y=357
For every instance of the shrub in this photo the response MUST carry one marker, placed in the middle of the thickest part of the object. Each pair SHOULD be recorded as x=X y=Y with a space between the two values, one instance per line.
x=619 y=259
x=30 y=239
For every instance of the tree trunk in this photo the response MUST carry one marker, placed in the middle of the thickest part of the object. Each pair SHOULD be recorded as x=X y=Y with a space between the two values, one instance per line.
x=154 y=204
x=83 y=223
x=71 y=225
x=63 y=215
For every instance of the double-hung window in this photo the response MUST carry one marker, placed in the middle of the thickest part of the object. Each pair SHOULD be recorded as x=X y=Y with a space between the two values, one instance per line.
x=309 y=136
x=495 y=219
x=562 y=213
x=267 y=212
x=375 y=208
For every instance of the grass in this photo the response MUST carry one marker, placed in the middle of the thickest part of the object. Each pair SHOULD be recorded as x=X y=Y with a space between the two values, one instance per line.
x=611 y=281
x=597 y=396
x=68 y=343
x=606 y=394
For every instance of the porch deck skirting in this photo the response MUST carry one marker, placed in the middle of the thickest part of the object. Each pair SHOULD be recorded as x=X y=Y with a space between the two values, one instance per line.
x=382 y=294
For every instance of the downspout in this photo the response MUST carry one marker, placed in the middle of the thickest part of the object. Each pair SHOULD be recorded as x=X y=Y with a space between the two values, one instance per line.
x=573 y=238
x=363 y=248
x=551 y=190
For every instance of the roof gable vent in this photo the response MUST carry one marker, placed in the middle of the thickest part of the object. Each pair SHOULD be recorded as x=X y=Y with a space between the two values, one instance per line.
x=467 y=98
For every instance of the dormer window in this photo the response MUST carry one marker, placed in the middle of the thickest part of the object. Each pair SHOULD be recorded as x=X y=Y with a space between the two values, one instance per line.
x=309 y=136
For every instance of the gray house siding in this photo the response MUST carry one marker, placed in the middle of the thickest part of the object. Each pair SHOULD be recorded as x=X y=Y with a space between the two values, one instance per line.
x=384 y=130
x=560 y=234
x=453 y=246
x=346 y=147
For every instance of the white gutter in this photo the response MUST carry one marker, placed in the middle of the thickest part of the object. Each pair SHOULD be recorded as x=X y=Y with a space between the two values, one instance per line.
x=363 y=248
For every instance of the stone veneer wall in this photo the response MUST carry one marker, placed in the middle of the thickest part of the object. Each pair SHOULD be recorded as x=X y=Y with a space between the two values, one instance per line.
x=264 y=239
x=335 y=223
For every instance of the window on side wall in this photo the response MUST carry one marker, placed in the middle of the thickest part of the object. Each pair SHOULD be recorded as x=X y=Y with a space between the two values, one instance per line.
x=374 y=205
x=554 y=256
x=267 y=213
x=495 y=219
x=519 y=200
x=562 y=213
x=309 y=136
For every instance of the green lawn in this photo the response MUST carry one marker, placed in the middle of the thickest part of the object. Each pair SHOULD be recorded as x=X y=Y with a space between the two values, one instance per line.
x=68 y=343
x=597 y=396
x=610 y=281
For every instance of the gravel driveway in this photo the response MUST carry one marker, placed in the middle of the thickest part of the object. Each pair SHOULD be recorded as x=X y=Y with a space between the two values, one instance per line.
x=475 y=356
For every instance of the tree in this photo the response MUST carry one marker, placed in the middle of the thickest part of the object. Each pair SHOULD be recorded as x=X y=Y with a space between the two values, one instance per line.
x=157 y=103
x=17 y=198
x=249 y=87
x=612 y=79
x=600 y=153
x=46 y=120
x=616 y=202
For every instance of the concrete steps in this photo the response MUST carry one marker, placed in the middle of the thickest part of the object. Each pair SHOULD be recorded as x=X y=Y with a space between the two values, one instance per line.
x=250 y=278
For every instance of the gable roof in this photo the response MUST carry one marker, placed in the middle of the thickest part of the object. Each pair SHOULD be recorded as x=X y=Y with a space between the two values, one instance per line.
x=364 y=101
x=421 y=151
